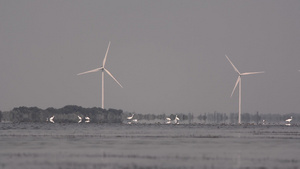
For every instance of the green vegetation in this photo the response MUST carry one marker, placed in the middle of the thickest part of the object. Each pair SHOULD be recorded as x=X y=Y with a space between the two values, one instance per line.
x=67 y=114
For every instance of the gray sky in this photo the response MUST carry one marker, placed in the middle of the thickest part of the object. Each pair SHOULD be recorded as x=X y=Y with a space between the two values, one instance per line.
x=169 y=55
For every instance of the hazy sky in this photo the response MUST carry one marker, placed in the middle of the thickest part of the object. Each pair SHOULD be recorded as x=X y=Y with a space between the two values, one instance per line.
x=169 y=55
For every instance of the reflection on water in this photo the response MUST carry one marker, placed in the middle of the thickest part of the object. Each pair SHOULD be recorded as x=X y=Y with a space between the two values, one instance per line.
x=87 y=145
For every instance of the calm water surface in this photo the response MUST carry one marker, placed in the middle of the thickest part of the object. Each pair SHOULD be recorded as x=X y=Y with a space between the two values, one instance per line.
x=89 y=146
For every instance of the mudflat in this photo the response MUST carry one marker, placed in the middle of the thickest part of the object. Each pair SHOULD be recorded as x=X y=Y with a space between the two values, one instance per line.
x=90 y=145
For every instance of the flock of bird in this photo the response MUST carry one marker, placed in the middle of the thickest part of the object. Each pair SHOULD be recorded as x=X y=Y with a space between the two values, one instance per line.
x=87 y=119
x=168 y=120
x=288 y=121
x=176 y=120
x=130 y=118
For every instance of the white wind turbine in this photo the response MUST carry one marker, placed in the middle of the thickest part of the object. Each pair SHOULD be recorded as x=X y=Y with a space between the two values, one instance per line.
x=239 y=80
x=103 y=69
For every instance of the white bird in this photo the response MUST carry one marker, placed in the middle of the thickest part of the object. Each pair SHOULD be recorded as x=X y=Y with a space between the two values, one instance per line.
x=134 y=120
x=239 y=80
x=87 y=119
x=80 y=119
x=289 y=120
x=176 y=120
x=51 y=119
x=130 y=117
x=103 y=69
x=168 y=120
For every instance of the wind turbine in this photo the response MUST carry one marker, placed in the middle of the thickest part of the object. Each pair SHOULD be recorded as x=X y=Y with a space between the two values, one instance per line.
x=103 y=69
x=239 y=80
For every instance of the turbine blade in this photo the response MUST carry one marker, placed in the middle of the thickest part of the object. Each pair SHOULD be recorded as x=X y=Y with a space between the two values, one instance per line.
x=112 y=77
x=251 y=73
x=232 y=65
x=104 y=60
x=90 y=71
x=238 y=80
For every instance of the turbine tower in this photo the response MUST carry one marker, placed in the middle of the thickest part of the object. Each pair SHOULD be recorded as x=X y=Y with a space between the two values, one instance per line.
x=239 y=81
x=103 y=69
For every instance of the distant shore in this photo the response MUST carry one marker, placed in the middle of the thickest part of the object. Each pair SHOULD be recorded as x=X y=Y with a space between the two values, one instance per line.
x=78 y=114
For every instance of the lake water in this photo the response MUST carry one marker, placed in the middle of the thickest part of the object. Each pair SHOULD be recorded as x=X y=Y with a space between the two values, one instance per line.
x=148 y=146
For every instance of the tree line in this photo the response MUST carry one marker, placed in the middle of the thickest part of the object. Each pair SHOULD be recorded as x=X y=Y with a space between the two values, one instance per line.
x=222 y=118
x=67 y=114
x=70 y=113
